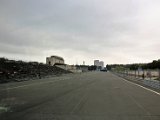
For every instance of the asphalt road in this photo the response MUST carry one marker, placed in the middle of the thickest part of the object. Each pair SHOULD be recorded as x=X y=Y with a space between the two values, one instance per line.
x=85 y=96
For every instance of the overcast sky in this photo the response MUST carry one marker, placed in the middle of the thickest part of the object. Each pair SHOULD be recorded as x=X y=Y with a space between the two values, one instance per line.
x=115 y=31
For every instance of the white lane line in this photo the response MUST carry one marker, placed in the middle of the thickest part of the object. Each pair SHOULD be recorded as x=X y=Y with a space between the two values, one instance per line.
x=30 y=85
x=138 y=85
x=142 y=86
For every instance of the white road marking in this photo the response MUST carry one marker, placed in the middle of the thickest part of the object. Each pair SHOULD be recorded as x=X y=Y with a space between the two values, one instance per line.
x=142 y=86
x=138 y=85
x=31 y=84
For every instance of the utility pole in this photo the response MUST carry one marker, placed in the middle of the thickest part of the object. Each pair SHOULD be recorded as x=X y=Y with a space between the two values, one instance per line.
x=159 y=74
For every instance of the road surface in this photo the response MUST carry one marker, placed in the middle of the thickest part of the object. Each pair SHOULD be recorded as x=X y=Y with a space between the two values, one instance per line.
x=85 y=96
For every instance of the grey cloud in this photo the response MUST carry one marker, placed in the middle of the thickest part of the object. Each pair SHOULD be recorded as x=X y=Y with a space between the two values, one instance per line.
x=5 y=48
x=96 y=27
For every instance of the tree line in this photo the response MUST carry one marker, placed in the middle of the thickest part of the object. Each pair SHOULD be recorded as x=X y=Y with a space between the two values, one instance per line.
x=155 y=64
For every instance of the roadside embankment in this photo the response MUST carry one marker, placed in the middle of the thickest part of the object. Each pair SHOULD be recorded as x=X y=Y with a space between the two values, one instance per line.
x=11 y=70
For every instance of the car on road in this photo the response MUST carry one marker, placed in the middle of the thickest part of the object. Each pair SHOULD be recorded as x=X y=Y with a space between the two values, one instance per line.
x=104 y=70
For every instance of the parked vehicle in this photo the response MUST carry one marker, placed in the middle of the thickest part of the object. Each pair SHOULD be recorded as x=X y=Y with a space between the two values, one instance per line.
x=104 y=70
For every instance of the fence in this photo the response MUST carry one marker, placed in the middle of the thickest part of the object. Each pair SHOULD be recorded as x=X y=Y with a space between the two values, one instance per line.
x=144 y=74
x=147 y=77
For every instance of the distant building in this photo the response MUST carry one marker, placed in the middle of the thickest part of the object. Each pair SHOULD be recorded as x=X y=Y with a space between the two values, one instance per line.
x=54 y=60
x=70 y=68
x=84 y=68
x=96 y=62
x=99 y=64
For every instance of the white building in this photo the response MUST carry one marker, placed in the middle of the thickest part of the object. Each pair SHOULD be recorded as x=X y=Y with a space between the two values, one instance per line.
x=54 y=59
x=101 y=63
x=96 y=62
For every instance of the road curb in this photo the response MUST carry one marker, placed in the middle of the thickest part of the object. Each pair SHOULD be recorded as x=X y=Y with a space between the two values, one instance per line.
x=137 y=81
